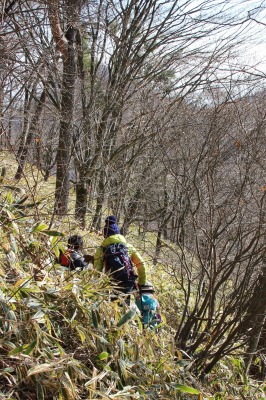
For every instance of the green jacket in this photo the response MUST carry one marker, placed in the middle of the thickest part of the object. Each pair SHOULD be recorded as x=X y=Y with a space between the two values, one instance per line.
x=136 y=258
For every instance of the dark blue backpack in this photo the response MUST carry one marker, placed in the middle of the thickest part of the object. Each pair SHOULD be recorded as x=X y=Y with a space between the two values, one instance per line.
x=118 y=263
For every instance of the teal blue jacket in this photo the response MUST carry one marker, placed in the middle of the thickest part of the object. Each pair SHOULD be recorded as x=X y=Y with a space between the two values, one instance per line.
x=149 y=308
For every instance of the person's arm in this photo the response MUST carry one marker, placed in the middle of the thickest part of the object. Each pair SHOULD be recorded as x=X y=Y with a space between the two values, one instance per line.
x=77 y=260
x=139 y=263
x=98 y=259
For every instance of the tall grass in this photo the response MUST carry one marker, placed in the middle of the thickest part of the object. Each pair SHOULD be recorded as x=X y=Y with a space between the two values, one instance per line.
x=62 y=337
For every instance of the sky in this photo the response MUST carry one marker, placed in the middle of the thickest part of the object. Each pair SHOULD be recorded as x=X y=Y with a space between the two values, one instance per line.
x=256 y=41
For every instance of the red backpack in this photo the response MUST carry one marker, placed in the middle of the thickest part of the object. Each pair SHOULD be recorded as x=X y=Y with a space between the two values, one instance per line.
x=65 y=259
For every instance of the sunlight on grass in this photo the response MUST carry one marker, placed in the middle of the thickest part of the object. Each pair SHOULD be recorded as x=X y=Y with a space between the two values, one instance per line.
x=62 y=338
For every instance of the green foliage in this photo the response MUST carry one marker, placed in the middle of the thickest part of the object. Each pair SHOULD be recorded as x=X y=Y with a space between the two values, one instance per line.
x=127 y=317
x=62 y=338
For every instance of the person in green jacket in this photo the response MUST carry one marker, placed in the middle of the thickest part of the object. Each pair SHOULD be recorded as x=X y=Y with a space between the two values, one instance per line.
x=105 y=259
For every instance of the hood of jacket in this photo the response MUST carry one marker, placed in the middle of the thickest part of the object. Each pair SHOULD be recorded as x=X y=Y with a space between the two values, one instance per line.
x=117 y=238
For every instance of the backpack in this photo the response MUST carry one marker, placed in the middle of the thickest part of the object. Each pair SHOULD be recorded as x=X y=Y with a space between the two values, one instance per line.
x=148 y=307
x=65 y=259
x=118 y=263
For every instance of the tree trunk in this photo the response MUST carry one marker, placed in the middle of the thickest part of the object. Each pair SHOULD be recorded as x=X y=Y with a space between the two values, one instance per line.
x=25 y=129
x=257 y=311
x=158 y=245
x=81 y=202
x=81 y=198
x=162 y=230
x=63 y=157
x=25 y=143
x=2 y=131
x=131 y=210
x=254 y=341
x=65 y=43
x=64 y=146
x=100 y=201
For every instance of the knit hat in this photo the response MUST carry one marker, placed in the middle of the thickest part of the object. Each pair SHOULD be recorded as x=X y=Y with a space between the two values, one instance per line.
x=75 y=241
x=110 y=227
x=148 y=287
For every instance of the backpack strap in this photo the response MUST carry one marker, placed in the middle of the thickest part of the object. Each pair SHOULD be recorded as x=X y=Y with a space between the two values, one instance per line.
x=117 y=260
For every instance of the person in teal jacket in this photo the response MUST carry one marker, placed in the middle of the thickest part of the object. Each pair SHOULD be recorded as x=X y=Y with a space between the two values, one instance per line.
x=148 y=306
x=112 y=236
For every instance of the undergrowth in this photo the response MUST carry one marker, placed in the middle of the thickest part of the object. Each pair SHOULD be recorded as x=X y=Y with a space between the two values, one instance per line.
x=61 y=337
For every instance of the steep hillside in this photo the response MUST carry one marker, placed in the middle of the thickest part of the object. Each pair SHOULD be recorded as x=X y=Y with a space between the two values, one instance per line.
x=61 y=337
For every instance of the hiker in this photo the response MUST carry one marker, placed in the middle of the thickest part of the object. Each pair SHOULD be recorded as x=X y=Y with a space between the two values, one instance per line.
x=72 y=257
x=119 y=258
x=148 y=306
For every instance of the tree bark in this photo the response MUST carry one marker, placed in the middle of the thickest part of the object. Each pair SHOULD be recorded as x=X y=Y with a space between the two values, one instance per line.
x=64 y=146
x=81 y=198
x=2 y=138
x=100 y=201
x=131 y=211
x=255 y=325
x=65 y=43
x=25 y=143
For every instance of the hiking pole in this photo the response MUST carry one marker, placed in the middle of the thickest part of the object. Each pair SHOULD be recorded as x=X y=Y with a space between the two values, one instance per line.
x=142 y=309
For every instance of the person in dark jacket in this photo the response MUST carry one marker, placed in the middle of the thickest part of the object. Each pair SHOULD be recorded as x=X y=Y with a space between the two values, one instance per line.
x=72 y=258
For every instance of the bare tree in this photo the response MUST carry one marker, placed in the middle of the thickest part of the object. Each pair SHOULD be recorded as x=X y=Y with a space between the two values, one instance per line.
x=215 y=199
x=65 y=40
x=131 y=48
